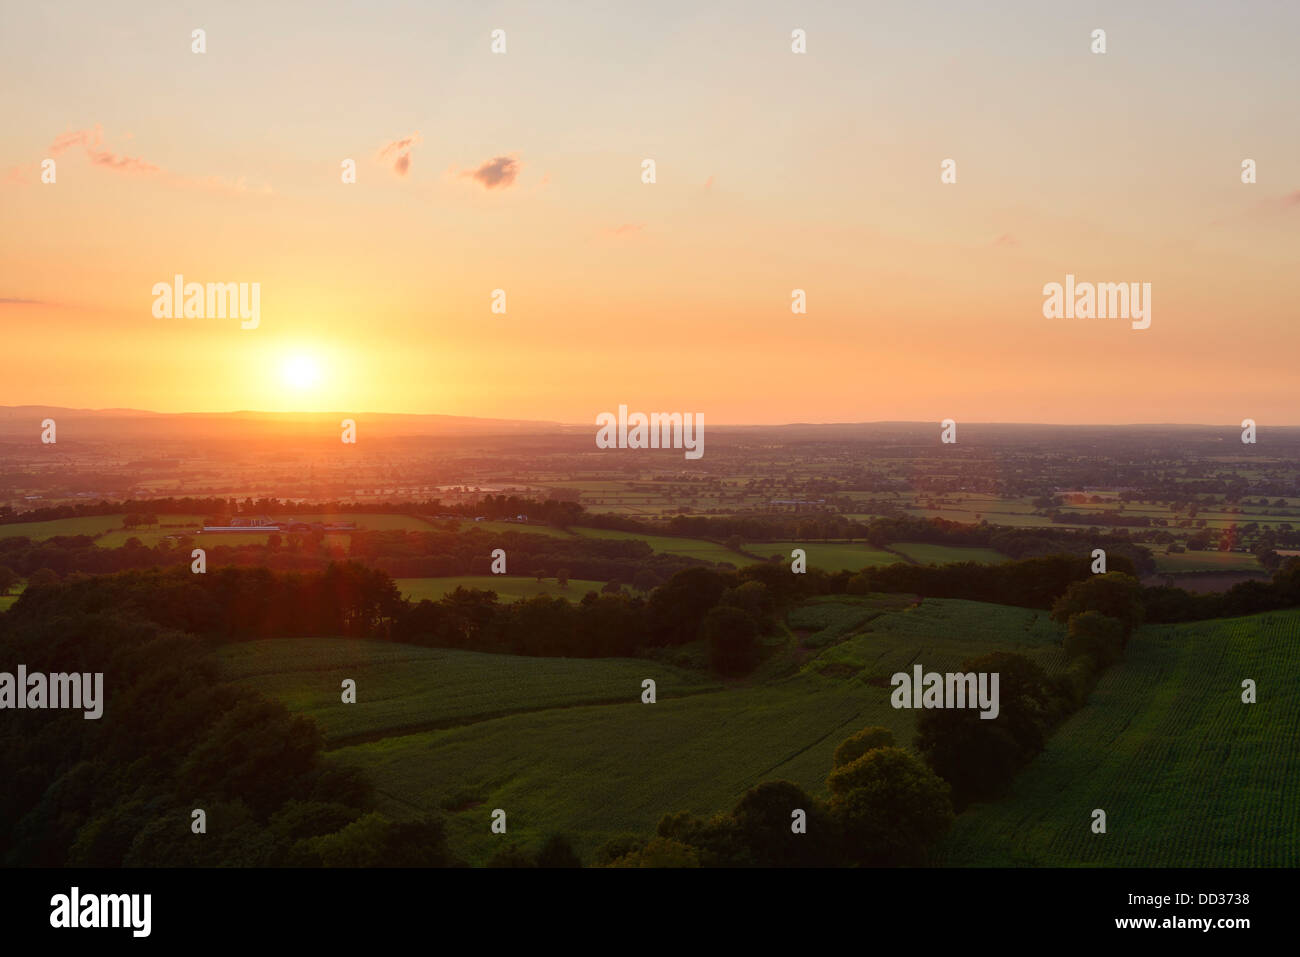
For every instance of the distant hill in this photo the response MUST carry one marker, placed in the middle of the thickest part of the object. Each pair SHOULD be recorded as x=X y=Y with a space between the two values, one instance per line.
x=24 y=421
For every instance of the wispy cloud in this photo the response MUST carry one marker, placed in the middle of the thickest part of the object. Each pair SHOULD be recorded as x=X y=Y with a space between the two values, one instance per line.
x=627 y=229
x=499 y=172
x=11 y=301
x=91 y=142
x=1006 y=239
x=398 y=152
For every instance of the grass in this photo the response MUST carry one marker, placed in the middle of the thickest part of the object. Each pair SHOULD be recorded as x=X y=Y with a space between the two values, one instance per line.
x=1187 y=774
x=830 y=556
x=508 y=587
x=567 y=746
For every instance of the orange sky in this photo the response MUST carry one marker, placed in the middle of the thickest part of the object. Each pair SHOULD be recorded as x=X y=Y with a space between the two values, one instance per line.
x=775 y=171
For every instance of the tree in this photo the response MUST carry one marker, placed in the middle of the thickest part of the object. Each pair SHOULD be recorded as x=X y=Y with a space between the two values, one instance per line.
x=1100 y=636
x=562 y=577
x=732 y=635
x=8 y=578
x=42 y=577
x=678 y=606
x=764 y=819
x=660 y=852
x=978 y=756
x=890 y=808
x=1114 y=594
x=558 y=852
x=868 y=739
x=511 y=856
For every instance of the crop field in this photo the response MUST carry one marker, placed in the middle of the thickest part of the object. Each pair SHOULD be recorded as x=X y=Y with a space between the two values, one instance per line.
x=508 y=587
x=401 y=688
x=489 y=736
x=829 y=556
x=926 y=554
x=1187 y=774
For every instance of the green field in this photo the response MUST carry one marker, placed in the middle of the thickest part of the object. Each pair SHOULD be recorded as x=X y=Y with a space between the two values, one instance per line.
x=507 y=587
x=926 y=554
x=594 y=770
x=404 y=688
x=38 y=531
x=1187 y=774
x=828 y=556
x=1208 y=562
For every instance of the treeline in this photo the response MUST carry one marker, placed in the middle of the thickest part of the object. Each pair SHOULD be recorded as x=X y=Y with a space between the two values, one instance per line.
x=122 y=790
x=437 y=554
x=402 y=554
x=1031 y=583
x=230 y=603
x=553 y=511
x=1168 y=605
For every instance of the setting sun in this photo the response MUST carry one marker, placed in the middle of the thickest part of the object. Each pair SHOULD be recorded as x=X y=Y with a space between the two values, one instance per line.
x=301 y=372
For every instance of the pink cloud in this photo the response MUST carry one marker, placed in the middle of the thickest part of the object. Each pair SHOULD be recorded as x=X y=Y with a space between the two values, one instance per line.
x=399 y=153
x=499 y=172
x=91 y=141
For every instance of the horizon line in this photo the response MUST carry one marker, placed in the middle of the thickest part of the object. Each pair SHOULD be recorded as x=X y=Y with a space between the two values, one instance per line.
x=555 y=422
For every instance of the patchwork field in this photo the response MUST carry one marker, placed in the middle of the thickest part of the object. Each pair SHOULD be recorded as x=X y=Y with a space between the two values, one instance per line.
x=1187 y=774
x=507 y=587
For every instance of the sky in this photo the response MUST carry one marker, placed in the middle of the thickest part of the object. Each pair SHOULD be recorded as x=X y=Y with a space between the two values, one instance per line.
x=775 y=171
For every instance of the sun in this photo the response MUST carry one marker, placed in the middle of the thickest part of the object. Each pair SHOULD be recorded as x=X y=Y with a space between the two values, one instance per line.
x=301 y=372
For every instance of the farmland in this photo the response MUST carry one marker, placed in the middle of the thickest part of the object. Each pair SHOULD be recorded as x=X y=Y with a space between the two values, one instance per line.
x=494 y=727
x=829 y=556
x=1187 y=774
x=405 y=687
